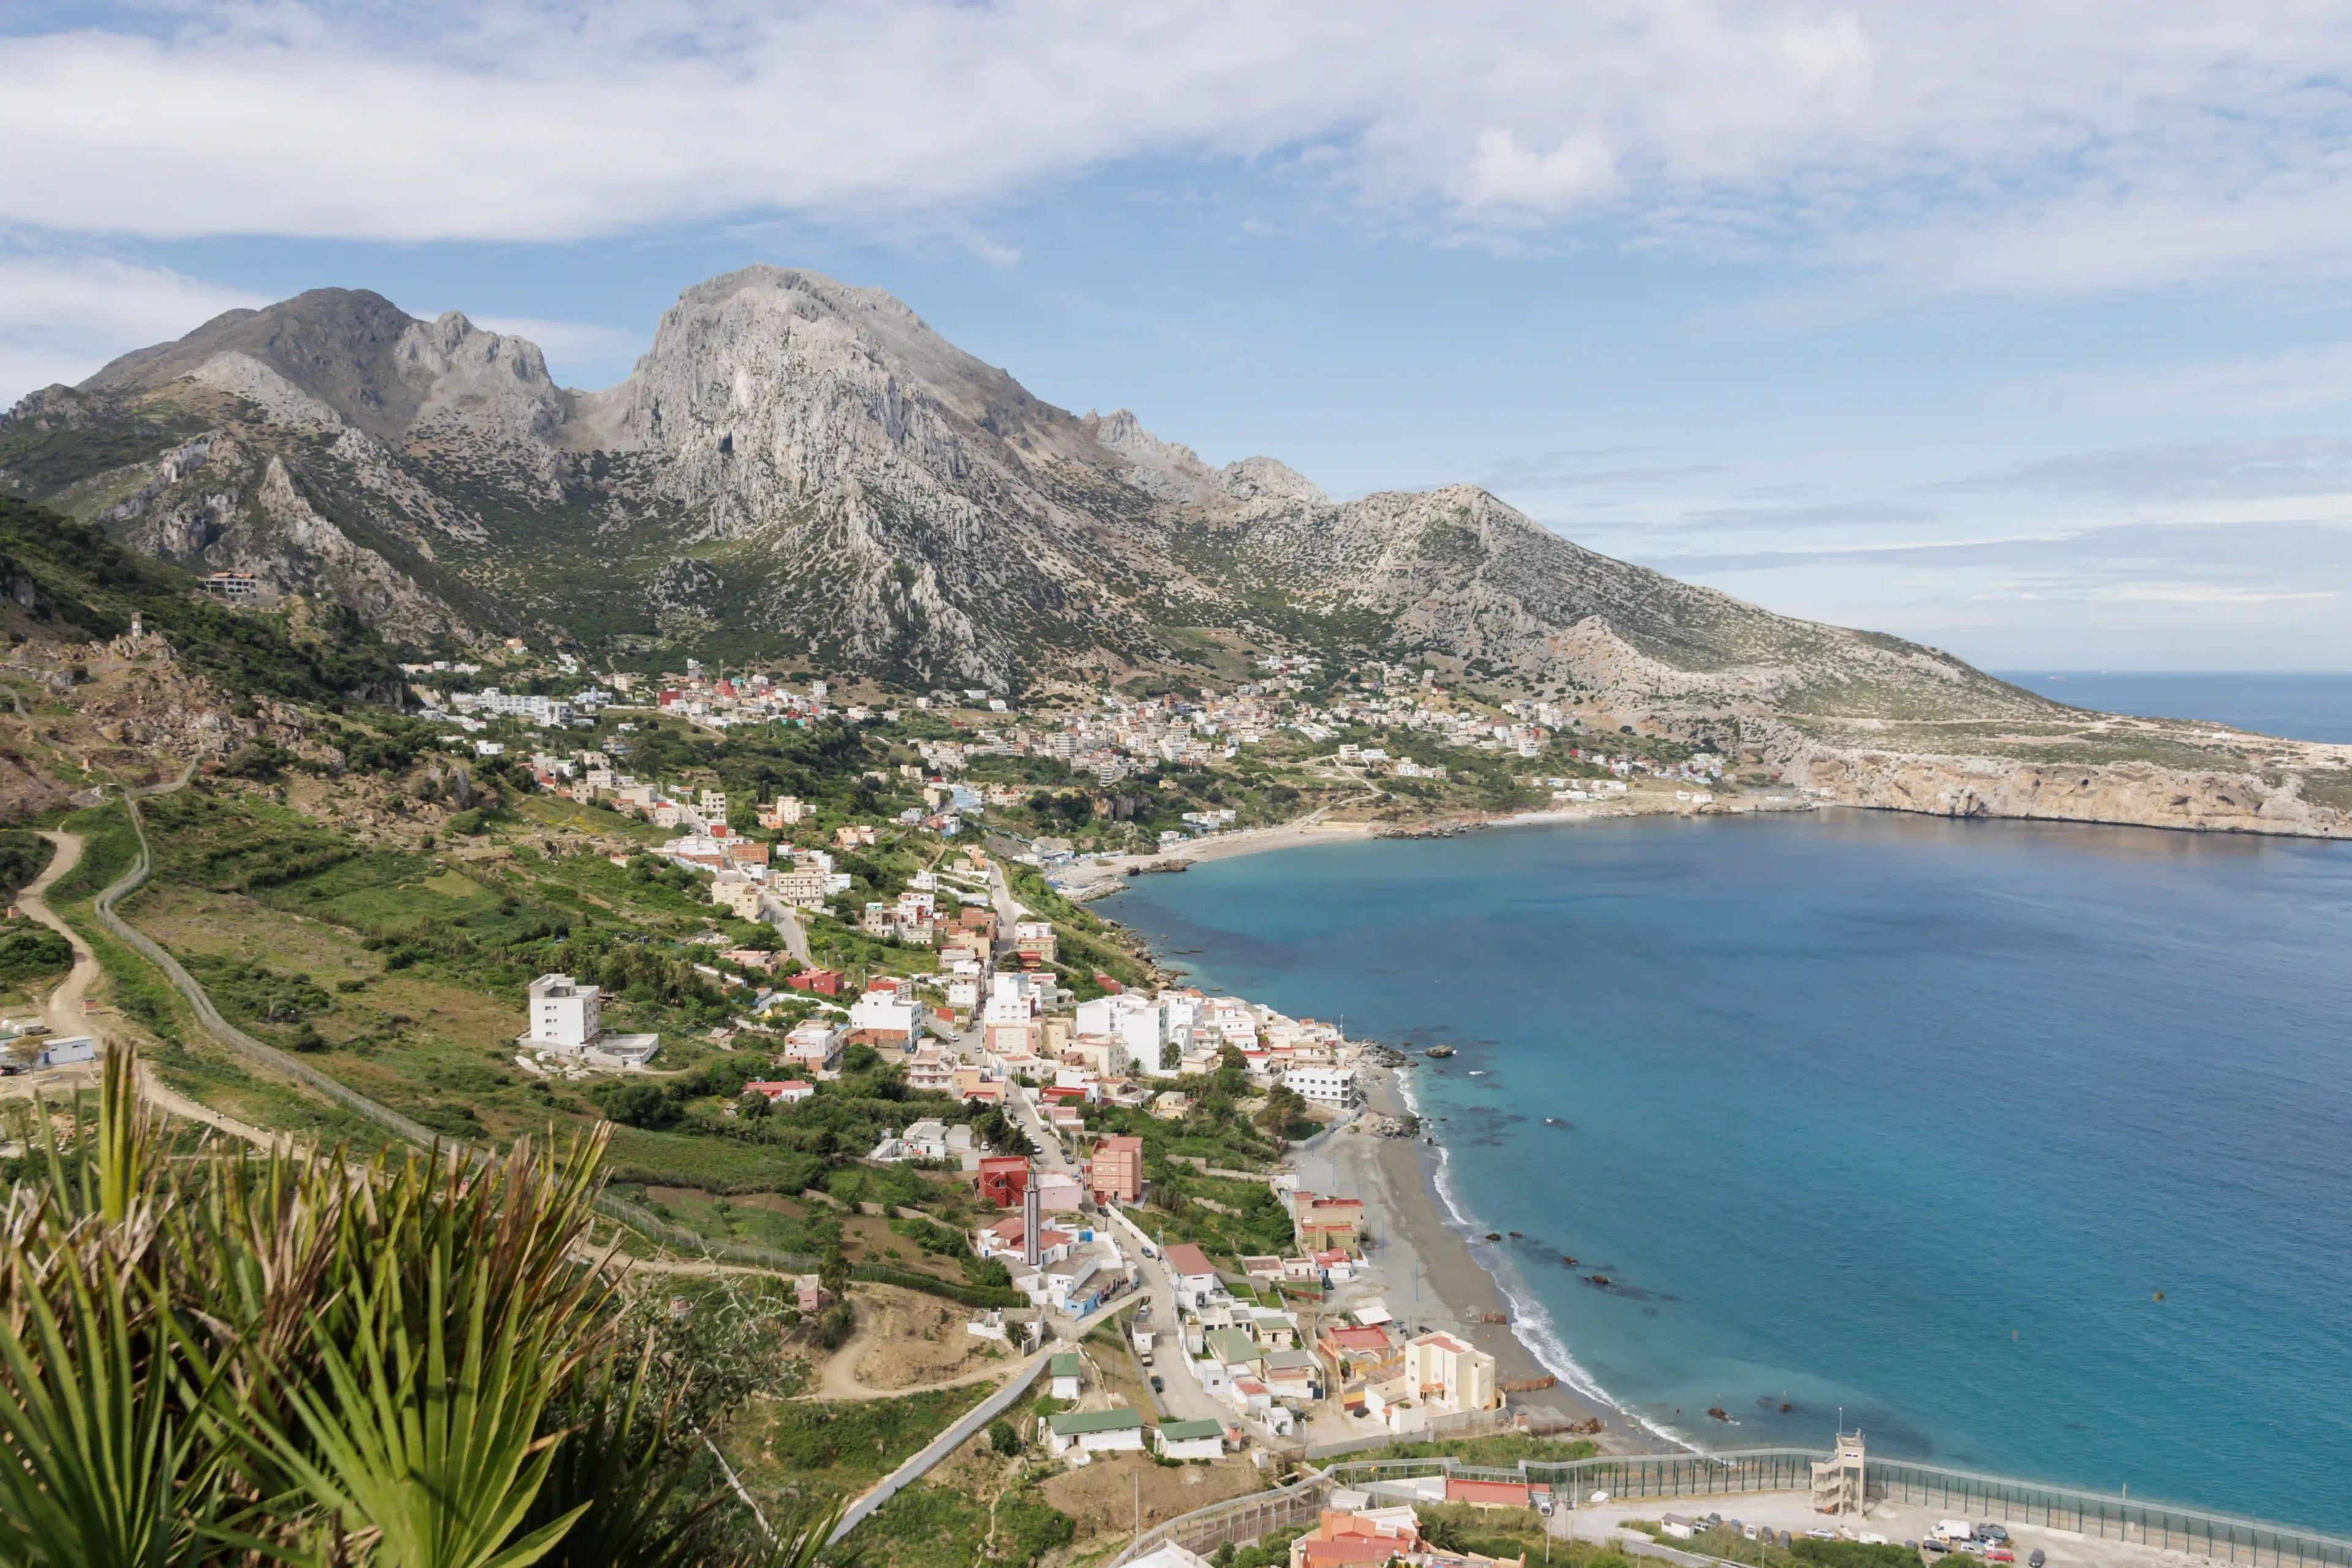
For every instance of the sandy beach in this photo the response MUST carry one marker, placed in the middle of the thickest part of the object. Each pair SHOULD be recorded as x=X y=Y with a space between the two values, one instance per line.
x=1092 y=879
x=1089 y=878
x=1429 y=1276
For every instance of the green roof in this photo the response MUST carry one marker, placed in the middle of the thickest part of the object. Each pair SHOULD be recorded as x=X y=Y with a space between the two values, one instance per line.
x=1185 y=1431
x=1065 y=1364
x=1230 y=1344
x=1072 y=1423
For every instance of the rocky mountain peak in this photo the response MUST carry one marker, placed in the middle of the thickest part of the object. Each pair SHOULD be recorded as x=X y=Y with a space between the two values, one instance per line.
x=1163 y=469
x=338 y=345
x=479 y=383
x=747 y=344
x=1262 y=479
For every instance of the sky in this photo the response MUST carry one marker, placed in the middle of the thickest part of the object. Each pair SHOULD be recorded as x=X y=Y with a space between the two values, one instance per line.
x=2022 y=330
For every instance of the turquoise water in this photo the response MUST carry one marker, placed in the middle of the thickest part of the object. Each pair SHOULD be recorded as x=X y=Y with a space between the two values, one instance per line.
x=1897 y=1114
x=2299 y=707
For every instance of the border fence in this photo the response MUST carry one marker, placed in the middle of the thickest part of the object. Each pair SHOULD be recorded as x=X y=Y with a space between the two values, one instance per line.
x=2220 y=1537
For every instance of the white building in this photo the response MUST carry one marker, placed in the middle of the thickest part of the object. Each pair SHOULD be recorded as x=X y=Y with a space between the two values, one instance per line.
x=816 y=1044
x=1202 y=1439
x=1323 y=1085
x=1193 y=1275
x=886 y=1014
x=1451 y=1375
x=1092 y=1432
x=1012 y=998
x=564 y=1016
x=1139 y=1023
x=570 y=1017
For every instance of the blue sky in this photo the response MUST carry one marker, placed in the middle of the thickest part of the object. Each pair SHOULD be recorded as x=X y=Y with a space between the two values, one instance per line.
x=2023 y=329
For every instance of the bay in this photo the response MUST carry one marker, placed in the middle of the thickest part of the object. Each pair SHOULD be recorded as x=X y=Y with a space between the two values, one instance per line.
x=1910 y=1117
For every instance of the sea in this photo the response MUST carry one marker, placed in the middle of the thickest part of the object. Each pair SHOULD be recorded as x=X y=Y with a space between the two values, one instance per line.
x=2021 y=1147
x=2299 y=707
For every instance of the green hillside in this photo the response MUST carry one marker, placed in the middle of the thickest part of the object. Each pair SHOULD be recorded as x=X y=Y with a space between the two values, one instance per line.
x=65 y=580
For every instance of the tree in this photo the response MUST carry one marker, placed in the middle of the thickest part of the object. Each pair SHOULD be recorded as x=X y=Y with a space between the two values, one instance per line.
x=1003 y=1438
x=634 y=1104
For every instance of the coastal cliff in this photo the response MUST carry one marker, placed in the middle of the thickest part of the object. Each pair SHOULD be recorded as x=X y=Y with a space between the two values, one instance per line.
x=2135 y=794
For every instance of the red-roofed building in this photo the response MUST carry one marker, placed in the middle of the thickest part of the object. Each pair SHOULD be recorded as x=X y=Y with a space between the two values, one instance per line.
x=785 y=1091
x=1194 y=1276
x=1488 y=1494
x=824 y=982
x=1324 y=1223
x=1349 y=1540
x=1002 y=1179
x=1007 y=1236
x=1353 y=1352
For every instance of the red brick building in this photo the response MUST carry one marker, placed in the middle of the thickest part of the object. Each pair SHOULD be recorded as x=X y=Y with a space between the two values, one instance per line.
x=1002 y=1179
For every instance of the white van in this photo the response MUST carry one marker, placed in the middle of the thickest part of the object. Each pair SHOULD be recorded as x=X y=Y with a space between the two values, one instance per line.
x=1955 y=1530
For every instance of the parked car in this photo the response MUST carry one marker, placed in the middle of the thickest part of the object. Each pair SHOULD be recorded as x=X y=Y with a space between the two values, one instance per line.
x=1991 y=1533
x=2037 y=1559
x=2000 y=1554
x=1934 y=1547
x=1158 y=1385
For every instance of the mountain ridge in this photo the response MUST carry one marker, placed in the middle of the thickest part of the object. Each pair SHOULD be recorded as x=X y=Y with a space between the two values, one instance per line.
x=799 y=453
x=799 y=469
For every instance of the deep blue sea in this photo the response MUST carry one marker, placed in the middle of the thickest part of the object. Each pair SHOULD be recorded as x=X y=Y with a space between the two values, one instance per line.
x=2299 y=707
x=1912 y=1117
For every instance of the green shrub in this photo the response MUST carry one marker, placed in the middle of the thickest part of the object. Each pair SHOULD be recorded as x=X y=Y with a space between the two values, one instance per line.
x=28 y=950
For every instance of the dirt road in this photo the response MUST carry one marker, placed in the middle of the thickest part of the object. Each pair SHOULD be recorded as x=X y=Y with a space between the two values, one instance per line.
x=63 y=1011
x=67 y=1008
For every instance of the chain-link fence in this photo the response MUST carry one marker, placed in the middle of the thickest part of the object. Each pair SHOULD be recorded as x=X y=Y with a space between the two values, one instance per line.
x=2221 y=1537
x=1237 y=1520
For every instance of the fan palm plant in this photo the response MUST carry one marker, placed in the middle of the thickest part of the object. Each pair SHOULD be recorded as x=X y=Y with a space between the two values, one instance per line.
x=293 y=1357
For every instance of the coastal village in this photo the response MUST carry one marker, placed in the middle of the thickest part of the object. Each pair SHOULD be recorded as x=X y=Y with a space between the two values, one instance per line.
x=1165 y=1258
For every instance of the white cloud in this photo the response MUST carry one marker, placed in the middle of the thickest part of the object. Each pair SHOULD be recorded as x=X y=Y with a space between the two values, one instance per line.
x=1505 y=174
x=2271 y=468
x=61 y=317
x=2292 y=381
x=2005 y=145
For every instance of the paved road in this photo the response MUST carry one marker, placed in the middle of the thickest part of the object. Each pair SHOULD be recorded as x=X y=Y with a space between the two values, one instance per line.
x=788 y=926
x=940 y=1447
x=1049 y=1147
x=1184 y=1397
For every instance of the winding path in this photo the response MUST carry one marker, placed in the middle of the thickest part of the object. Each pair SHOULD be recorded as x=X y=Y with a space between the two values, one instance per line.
x=66 y=1010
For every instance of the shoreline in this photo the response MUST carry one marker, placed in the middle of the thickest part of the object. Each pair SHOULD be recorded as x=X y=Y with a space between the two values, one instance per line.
x=1422 y=1255
x=1100 y=876
x=1431 y=1276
